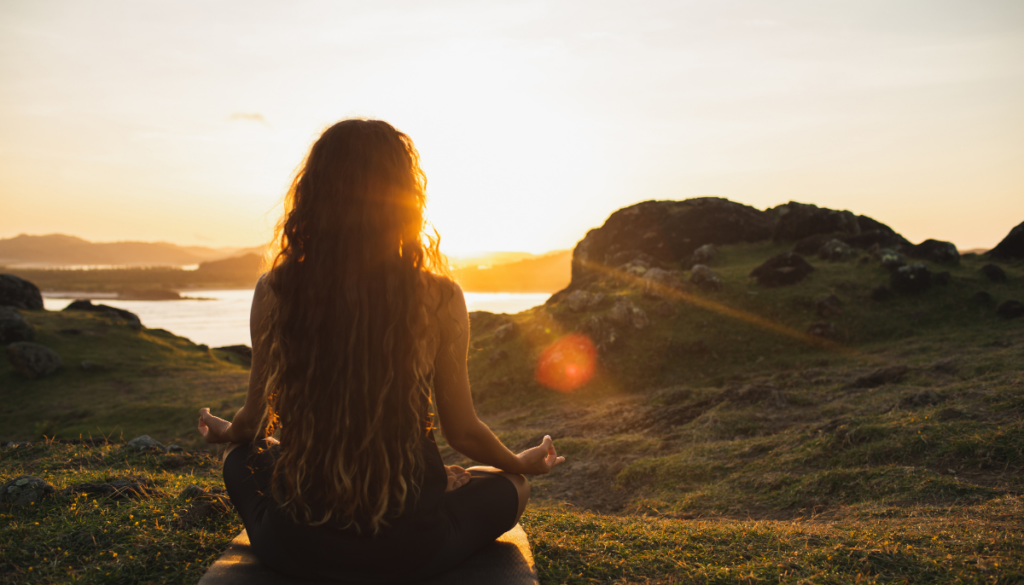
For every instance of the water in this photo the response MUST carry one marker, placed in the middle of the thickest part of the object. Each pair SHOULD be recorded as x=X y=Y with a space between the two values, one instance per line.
x=224 y=319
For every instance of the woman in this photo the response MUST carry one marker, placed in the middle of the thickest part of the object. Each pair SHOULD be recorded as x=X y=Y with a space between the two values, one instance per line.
x=351 y=331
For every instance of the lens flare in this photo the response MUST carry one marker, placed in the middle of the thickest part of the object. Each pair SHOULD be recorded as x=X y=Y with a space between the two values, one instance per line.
x=567 y=364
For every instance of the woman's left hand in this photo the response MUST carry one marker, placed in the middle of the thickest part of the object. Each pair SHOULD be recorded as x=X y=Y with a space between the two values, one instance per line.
x=457 y=477
x=212 y=428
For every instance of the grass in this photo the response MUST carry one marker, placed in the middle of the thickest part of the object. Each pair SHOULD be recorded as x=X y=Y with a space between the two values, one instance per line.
x=89 y=538
x=922 y=544
x=719 y=444
x=146 y=381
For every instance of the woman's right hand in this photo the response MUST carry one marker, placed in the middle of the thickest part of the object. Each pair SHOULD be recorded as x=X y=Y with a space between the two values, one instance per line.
x=212 y=428
x=540 y=459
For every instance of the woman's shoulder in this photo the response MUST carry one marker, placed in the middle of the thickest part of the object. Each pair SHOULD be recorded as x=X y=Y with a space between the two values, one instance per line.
x=441 y=290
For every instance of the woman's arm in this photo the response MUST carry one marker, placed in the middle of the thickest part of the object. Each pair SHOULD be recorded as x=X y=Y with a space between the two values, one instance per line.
x=461 y=427
x=245 y=426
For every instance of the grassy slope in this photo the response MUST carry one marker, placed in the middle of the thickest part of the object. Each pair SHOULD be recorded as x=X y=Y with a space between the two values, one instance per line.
x=677 y=471
x=153 y=382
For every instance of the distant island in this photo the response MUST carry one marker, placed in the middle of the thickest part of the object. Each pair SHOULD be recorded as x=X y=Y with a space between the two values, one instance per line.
x=60 y=263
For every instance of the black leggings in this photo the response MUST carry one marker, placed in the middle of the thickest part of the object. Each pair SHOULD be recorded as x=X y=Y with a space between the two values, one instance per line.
x=469 y=518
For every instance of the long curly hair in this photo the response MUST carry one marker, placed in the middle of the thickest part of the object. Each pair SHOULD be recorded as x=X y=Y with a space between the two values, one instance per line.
x=347 y=379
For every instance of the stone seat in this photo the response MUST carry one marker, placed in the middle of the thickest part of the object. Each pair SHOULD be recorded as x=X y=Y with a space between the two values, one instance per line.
x=507 y=561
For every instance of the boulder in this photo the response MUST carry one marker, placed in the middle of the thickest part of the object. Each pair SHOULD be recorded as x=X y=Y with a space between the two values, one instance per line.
x=705 y=278
x=626 y=314
x=891 y=259
x=143 y=443
x=581 y=300
x=881 y=293
x=829 y=306
x=705 y=255
x=782 y=270
x=668 y=231
x=942 y=278
x=935 y=251
x=1011 y=247
x=911 y=279
x=13 y=327
x=25 y=490
x=1010 y=309
x=835 y=251
x=19 y=293
x=994 y=272
x=32 y=360
x=118 y=314
x=800 y=220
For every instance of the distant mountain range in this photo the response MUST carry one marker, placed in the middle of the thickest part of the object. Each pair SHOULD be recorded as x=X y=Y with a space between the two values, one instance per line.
x=57 y=250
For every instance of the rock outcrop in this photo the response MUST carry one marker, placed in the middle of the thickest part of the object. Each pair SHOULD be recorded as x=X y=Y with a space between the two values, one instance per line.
x=705 y=278
x=797 y=221
x=25 y=490
x=19 y=293
x=13 y=327
x=1011 y=247
x=668 y=231
x=144 y=443
x=935 y=251
x=32 y=360
x=86 y=305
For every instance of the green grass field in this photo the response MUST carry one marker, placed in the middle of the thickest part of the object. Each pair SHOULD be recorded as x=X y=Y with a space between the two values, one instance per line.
x=719 y=444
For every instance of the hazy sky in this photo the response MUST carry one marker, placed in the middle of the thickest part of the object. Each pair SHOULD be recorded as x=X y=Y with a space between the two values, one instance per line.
x=184 y=121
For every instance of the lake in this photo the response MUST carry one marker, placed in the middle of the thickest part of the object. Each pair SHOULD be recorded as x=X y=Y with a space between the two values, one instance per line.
x=224 y=319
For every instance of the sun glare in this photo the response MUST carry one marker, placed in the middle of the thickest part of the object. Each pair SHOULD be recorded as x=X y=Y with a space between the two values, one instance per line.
x=567 y=364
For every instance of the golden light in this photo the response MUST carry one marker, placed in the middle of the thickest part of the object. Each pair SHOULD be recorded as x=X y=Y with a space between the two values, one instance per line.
x=567 y=364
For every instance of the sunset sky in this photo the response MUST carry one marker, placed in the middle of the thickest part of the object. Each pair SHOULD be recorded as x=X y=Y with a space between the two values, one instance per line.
x=184 y=121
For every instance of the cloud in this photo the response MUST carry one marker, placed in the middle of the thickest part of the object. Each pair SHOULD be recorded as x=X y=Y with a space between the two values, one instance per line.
x=248 y=117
